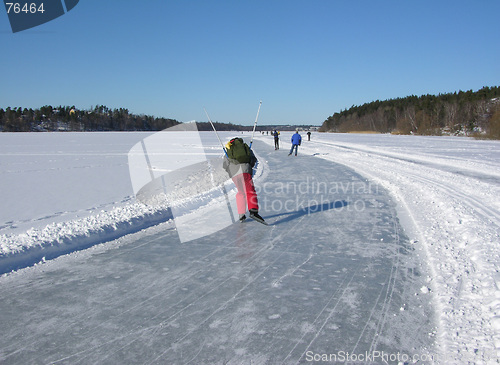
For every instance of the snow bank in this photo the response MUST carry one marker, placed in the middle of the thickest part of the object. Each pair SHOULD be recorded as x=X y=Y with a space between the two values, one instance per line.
x=40 y=244
x=70 y=191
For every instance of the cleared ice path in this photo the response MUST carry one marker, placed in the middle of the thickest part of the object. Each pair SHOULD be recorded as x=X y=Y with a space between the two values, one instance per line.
x=333 y=275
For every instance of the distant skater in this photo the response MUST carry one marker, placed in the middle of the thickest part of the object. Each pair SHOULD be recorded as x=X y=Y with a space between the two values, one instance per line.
x=276 y=135
x=309 y=135
x=296 y=141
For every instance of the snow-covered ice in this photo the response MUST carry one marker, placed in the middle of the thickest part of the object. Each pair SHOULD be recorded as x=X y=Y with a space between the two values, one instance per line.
x=377 y=243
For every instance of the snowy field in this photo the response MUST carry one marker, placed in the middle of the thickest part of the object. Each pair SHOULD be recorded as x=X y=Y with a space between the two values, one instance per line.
x=65 y=192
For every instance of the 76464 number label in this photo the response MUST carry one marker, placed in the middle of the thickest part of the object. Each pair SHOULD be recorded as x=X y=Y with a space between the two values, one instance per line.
x=18 y=8
x=26 y=14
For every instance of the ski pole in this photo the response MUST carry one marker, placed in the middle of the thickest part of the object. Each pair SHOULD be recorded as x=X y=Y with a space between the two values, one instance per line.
x=231 y=214
x=255 y=124
x=217 y=134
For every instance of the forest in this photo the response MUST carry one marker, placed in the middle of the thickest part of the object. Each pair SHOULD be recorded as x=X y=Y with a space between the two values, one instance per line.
x=101 y=118
x=469 y=113
x=460 y=113
x=65 y=118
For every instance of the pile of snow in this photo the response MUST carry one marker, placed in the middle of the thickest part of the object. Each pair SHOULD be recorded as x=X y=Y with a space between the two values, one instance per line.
x=69 y=191
x=38 y=244
x=64 y=192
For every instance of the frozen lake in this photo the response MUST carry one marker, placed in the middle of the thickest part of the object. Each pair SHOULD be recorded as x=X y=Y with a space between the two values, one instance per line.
x=377 y=245
x=334 y=273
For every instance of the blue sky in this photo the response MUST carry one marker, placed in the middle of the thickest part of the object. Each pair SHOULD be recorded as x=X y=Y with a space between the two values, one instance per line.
x=304 y=59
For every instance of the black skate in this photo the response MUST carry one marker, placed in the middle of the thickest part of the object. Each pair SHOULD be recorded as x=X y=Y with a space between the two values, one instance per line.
x=256 y=217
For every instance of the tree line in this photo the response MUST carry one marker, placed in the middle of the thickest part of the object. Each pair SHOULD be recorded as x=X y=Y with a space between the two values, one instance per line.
x=206 y=126
x=101 y=118
x=464 y=112
x=69 y=118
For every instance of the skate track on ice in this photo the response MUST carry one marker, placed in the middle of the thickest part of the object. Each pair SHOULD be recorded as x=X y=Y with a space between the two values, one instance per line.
x=449 y=205
x=333 y=274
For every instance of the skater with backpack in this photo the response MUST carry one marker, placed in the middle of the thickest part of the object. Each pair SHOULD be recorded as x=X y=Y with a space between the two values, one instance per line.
x=239 y=165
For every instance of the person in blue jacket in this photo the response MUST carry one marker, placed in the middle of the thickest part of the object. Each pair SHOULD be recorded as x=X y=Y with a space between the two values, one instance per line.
x=296 y=141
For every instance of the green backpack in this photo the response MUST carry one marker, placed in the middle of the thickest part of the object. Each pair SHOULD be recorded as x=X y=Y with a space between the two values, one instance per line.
x=238 y=150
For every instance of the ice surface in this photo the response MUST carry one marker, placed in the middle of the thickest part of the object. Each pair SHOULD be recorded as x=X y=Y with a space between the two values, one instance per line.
x=249 y=292
x=329 y=275
x=447 y=191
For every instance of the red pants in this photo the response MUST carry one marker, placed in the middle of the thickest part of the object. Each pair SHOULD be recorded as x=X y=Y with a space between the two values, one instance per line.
x=246 y=189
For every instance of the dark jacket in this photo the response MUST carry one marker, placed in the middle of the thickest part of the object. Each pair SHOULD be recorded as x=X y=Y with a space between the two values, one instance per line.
x=235 y=167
